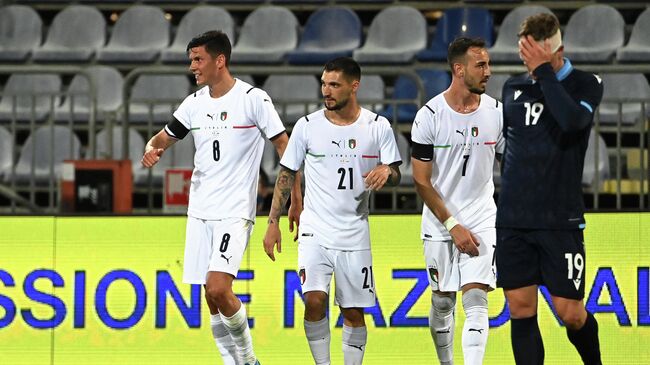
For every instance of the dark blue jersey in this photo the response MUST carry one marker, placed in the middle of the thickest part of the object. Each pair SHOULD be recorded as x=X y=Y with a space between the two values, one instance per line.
x=546 y=126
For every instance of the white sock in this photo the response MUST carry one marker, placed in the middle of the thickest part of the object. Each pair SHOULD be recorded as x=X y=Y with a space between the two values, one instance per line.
x=475 y=329
x=354 y=344
x=223 y=340
x=237 y=326
x=441 y=325
x=318 y=337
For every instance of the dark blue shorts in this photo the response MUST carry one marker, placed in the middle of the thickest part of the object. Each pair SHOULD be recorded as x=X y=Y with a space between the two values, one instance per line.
x=554 y=258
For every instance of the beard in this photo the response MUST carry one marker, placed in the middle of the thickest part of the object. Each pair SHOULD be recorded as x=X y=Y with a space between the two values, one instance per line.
x=337 y=105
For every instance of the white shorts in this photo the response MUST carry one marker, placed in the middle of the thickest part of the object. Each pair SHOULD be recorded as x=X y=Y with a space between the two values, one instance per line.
x=214 y=245
x=353 y=277
x=449 y=269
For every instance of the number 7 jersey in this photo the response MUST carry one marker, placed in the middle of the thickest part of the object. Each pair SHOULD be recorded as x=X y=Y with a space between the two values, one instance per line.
x=464 y=148
x=336 y=159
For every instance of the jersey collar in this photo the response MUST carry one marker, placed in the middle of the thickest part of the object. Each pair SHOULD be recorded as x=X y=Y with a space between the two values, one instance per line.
x=562 y=73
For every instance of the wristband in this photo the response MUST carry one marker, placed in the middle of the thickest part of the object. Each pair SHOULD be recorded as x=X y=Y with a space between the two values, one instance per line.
x=450 y=223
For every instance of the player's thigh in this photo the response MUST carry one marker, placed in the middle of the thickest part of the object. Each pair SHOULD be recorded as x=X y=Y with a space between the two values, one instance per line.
x=441 y=260
x=355 y=279
x=517 y=259
x=198 y=249
x=315 y=267
x=229 y=241
x=480 y=269
x=563 y=262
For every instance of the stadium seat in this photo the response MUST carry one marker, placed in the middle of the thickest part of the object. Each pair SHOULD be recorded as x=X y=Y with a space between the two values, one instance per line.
x=591 y=169
x=108 y=84
x=371 y=89
x=105 y=150
x=495 y=85
x=245 y=78
x=584 y=38
x=457 y=22
x=638 y=47
x=395 y=35
x=39 y=148
x=505 y=47
x=434 y=81
x=329 y=33
x=6 y=158
x=619 y=88
x=198 y=20
x=156 y=97
x=405 y=169
x=293 y=95
x=131 y=41
x=20 y=32
x=20 y=92
x=267 y=35
x=75 y=34
x=270 y=161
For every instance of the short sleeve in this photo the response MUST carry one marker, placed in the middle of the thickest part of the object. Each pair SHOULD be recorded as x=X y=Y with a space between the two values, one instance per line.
x=296 y=150
x=183 y=112
x=423 y=128
x=389 y=152
x=265 y=116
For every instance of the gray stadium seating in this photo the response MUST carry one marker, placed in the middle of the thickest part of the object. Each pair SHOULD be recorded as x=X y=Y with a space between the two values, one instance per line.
x=198 y=20
x=268 y=33
x=585 y=39
x=24 y=92
x=180 y=155
x=131 y=41
x=372 y=87
x=395 y=35
x=406 y=169
x=495 y=85
x=39 y=147
x=621 y=88
x=158 y=94
x=6 y=147
x=505 y=48
x=638 y=47
x=591 y=169
x=75 y=34
x=105 y=150
x=76 y=106
x=290 y=93
x=270 y=161
x=20 y=32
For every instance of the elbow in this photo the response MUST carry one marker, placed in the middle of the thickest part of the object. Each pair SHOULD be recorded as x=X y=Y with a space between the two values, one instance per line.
x=575 y=122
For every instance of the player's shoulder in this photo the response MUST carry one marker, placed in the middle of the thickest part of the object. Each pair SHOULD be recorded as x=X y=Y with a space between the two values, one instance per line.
x=588 y=78
x=198 y=94
x=374 y=119
x=490 y=103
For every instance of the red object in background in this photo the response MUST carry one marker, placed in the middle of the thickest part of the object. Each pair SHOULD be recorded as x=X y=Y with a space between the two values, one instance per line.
x=176 y=189
x=122 y=182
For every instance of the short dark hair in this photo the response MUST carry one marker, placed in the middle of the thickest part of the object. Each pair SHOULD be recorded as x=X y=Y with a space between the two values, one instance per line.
x=540 y=26
x=458 y=49
x=216 y=42
x=349 y=67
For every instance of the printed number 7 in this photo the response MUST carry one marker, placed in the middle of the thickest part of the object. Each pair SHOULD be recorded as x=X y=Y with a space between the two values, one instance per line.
x=466 y=158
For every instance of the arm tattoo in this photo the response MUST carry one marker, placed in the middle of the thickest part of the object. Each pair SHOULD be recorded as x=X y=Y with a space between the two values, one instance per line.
x=281 y=193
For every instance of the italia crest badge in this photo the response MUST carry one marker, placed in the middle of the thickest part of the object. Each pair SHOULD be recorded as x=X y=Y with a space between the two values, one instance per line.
x=474 y=131
x=352 y=143
x=223 y=116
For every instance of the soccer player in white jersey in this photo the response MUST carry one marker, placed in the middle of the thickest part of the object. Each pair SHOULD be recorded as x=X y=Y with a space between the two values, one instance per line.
x=228 y=119
x=348 y=151
x=456 y=137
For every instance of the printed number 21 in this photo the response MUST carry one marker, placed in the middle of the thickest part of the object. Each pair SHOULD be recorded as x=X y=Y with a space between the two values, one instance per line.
x=342 y=186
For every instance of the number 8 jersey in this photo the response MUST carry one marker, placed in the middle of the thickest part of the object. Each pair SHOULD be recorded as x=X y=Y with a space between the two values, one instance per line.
x=228 y=135
x=464 y=148
x=336 y=158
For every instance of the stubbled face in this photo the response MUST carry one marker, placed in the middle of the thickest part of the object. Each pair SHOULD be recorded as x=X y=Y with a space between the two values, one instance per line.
x=204 y=66
x=476 y=70
x=336 y=89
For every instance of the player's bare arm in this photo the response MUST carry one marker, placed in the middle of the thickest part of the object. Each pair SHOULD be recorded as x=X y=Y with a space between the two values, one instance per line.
x=281 y=192
x=280 y=143
x=382 y=175
x=155 y=148
x=462 y=237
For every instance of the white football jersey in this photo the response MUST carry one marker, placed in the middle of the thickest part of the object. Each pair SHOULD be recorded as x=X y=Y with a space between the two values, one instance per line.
x=464 y=148
x=228 y=135
x=336 y=157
